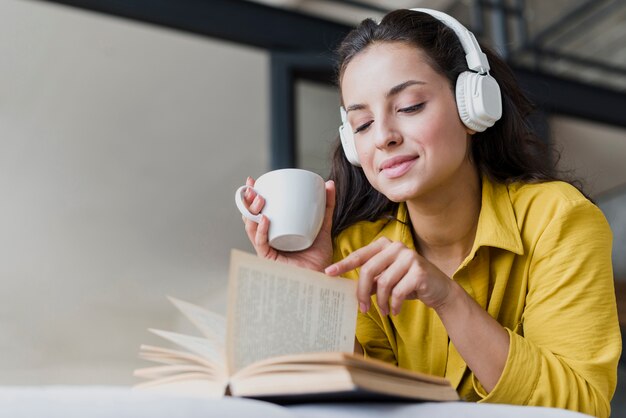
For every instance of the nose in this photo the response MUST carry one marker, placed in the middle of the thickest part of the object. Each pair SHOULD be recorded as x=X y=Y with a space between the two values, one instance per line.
x=387 y=134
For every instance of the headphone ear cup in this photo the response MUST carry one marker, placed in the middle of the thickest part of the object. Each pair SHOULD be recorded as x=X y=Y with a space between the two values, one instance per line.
x=347 y=143
x=478 y=100
x=461 y=103
x=464 y=100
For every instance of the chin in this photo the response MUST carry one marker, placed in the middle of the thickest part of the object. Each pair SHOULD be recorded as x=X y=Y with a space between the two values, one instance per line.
x=398 y=196
x=399 y=189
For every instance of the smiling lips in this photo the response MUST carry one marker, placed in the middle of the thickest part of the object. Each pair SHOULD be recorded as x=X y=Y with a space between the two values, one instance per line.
x=397 y=166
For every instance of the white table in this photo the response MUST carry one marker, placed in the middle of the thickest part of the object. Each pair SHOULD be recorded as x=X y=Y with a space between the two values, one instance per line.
x=122 y=402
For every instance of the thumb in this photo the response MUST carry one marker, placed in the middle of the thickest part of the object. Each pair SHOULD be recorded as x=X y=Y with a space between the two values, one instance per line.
x=330 y=206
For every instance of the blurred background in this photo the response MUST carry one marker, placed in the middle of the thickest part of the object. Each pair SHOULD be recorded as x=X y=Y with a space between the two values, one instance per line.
x=125 y=128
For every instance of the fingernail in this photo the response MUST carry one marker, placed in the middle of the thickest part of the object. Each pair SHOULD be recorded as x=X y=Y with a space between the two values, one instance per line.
x=331 y=270
x=362 y=307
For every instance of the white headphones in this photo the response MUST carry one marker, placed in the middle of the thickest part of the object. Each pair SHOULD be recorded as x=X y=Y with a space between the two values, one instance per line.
x=478 y=97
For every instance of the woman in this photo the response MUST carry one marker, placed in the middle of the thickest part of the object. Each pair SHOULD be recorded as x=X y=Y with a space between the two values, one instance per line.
x=474 y=261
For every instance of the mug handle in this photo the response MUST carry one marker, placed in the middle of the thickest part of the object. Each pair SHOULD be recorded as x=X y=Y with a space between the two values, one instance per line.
x=242 y=207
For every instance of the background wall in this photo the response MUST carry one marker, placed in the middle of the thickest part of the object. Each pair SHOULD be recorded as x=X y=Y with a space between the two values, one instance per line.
x=121 y=145
x=317 y=124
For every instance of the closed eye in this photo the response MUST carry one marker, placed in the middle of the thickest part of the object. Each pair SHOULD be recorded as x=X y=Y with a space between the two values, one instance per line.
x=363 y=127
x=409 y=109
x=412 y=109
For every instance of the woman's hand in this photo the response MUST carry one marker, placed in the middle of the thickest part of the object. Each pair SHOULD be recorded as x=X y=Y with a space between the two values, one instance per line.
x=316 y=257
x=394 y=273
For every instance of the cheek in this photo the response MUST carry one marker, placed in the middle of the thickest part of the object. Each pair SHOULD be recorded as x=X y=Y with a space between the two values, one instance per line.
x=447 y=135
x=365 y=153
x=449 y=124
x=455 y=150
x=366 y=157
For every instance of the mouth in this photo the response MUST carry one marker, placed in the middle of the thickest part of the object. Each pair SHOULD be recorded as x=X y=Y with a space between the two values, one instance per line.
x=397 y=166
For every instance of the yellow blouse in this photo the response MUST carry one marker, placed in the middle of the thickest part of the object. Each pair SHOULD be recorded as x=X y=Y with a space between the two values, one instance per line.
x=541 y=266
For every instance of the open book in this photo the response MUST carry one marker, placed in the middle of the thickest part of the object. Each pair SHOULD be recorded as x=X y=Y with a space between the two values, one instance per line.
x=288 y=337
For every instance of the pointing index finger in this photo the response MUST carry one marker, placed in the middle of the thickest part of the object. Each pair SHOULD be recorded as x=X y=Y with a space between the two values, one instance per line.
x=355 y=259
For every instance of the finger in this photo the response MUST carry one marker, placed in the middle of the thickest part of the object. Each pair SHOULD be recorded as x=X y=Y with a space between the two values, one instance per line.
x=257 y=205
x=369 y=276
x=249 y=194
x=330 y=206
x=261 y=243
x=357 y=258
x=366 y=306
x=404 y=289
x=251 y=229
x=399 y=264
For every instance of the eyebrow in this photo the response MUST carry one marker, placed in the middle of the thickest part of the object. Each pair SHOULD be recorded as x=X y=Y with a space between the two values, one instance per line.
x=392 y=92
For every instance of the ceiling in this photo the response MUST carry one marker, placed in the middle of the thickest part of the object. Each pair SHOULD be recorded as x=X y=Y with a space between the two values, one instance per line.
x=583 y=40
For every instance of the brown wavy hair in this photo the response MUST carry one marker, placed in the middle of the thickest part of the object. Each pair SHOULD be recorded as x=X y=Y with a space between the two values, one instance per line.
x=510 y=151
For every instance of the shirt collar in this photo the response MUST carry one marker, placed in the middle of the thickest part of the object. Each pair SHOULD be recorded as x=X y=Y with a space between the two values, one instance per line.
x=497 y=225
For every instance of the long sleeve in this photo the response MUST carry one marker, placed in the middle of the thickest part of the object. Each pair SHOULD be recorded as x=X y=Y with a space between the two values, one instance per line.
x=564 y=353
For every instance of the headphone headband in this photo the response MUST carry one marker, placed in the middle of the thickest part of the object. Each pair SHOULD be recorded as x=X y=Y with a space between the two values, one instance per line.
x=475 y=57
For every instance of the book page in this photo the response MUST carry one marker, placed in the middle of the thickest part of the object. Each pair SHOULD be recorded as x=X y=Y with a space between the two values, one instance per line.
x=170 y=356
x=276 y=309
x=203 y=347
x=211 y=324
x=159 y=372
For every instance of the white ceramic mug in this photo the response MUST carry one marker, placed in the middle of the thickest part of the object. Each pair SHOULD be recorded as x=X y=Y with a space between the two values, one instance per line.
x=295 y=202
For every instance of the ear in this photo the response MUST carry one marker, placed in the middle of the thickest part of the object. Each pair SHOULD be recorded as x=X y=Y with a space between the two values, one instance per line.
x=469 y=131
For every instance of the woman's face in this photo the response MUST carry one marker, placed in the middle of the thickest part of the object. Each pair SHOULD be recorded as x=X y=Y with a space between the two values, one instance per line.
x=408 y=135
